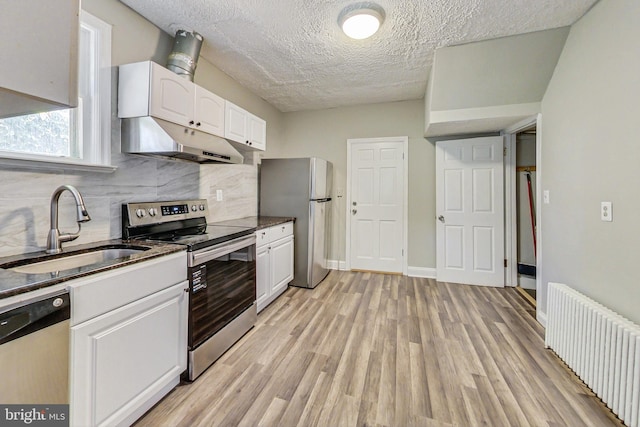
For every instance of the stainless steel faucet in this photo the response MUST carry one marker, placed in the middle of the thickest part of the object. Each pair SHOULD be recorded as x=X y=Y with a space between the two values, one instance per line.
x=55 y=239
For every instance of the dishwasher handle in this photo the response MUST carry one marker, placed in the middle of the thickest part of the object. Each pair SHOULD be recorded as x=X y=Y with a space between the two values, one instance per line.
x=34 y=316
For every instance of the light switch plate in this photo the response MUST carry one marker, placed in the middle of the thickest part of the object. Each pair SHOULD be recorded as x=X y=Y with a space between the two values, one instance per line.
x=219 y=195
x=545 y=197
x=606 y=214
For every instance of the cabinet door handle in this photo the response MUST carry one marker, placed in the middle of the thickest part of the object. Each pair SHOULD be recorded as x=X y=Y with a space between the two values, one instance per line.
x=191 y=122
x=198 y=124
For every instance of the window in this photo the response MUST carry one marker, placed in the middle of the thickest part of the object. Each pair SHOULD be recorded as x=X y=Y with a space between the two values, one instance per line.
x=77 y=138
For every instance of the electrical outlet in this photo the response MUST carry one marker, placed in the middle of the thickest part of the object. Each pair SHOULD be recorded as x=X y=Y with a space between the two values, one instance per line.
x=606 y=214
x=545 y=197
x=219 y=195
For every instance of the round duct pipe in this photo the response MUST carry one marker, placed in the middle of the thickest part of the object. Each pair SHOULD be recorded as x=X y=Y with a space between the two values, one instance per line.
x=183 y=59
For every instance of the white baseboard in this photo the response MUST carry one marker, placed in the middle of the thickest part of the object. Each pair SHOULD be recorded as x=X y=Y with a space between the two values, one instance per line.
x=425 y=272
x=541 y=318
x=335 y=264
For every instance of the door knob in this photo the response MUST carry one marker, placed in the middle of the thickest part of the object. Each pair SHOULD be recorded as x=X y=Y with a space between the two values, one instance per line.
x=354 y=204
x=354 y=211
x=441 y=219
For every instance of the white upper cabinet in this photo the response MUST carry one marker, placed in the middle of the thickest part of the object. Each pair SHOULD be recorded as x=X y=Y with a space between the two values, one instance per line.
x=257 y=132
x=235 y=123
x=244 y=127
x=39 y=71
x=171 y=97
x=148 y=89
x=209 y=111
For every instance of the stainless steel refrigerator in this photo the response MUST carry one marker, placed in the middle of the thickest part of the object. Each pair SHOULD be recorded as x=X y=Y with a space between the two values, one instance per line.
x=301 y=188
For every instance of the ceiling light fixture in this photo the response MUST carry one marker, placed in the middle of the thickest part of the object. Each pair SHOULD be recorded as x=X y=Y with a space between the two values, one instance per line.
x=361 y=20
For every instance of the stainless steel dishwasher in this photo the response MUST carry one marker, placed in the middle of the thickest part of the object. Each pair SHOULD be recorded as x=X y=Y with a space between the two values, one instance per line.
x=34 y=351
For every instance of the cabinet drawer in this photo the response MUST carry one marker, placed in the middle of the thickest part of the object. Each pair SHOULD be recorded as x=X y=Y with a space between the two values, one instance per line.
x=263 y=236
x=277 y=232
x=100 y=293
x=271 y=234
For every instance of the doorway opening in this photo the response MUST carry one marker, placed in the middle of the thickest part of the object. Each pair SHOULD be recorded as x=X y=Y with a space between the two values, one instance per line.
x=525 y=208
x=518 y=211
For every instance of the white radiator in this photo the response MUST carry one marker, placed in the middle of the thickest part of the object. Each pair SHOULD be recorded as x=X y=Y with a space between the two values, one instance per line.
x=600 y=346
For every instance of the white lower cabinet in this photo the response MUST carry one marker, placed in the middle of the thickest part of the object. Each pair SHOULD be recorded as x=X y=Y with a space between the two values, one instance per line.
x=263 y=276
x=274 y=262
x=281 y=264
x=125 y=360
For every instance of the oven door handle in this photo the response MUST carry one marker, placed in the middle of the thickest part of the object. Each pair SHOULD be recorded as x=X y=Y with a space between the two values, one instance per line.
x=200 y=257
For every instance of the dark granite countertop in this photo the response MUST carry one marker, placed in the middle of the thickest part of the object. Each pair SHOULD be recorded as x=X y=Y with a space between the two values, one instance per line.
x=257 y=222
x=14 y=283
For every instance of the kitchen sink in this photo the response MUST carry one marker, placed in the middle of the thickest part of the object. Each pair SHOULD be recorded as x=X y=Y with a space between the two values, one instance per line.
x=67 y=262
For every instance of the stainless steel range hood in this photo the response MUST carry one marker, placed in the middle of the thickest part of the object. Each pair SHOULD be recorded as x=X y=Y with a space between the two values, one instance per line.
x=156 y=137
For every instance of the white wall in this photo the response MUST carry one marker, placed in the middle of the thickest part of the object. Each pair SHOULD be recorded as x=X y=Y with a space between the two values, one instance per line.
x=324 y=133
x=488 y=85
x=497 y=72
x=590 y=154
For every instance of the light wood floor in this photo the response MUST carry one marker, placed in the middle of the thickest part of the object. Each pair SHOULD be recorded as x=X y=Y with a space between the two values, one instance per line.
x=368 y=349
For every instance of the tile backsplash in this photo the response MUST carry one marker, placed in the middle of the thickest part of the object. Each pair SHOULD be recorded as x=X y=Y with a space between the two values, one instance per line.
x=25 y=197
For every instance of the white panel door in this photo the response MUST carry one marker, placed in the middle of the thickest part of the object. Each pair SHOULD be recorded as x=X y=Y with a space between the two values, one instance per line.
x=377 y=206
x=470 y=210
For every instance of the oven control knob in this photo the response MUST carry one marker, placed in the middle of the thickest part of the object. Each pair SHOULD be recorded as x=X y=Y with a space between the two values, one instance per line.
x=201 y=207
x=194 y=208
x=140 y=213
x=153 y=212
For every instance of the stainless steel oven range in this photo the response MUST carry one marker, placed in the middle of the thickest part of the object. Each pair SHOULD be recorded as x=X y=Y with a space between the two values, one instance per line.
x=221 y=267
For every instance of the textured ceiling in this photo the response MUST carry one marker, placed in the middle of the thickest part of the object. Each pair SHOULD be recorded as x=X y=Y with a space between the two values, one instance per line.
x=293 y=54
